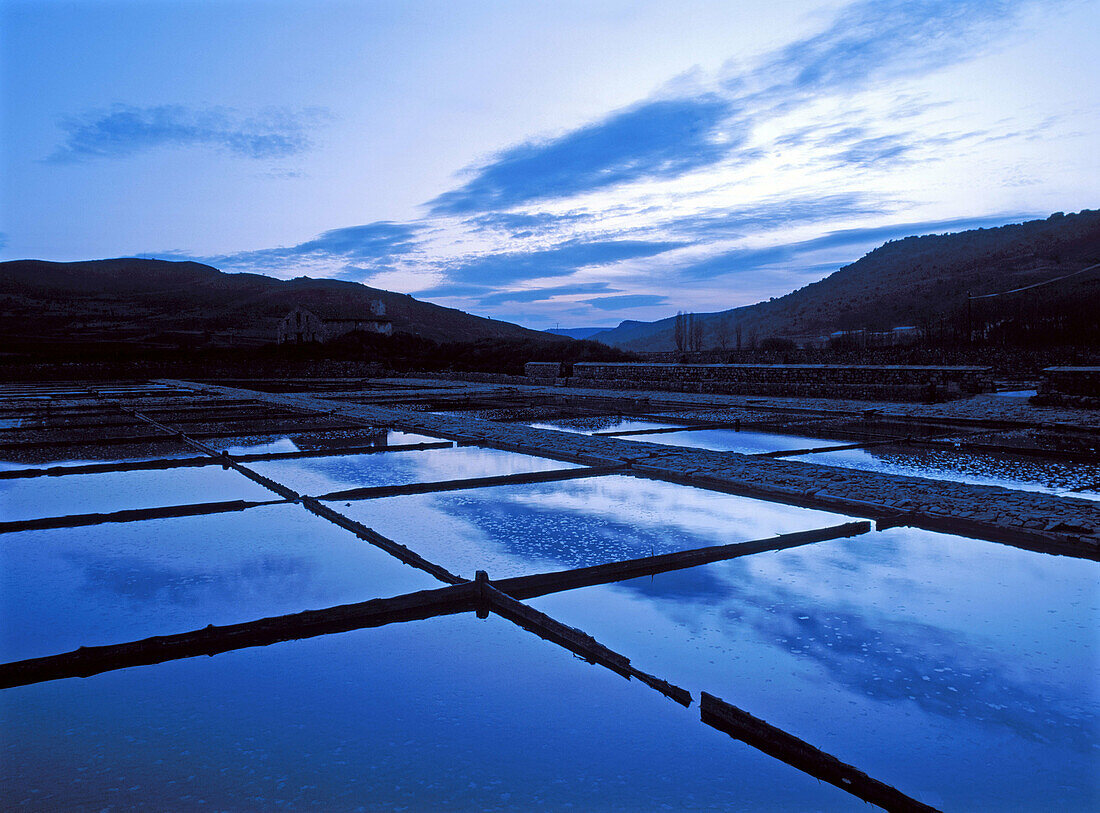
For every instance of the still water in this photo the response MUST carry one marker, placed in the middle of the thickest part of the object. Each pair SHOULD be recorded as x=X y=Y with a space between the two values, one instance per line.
x=730 y=440
x=890 y=651
x=722 y=440
x=1072 y=479
x=964 y=673
x=320 y=475
x=110 y=583
x=268 y=444
x=451 y=713
x=601 y=423
x=520 y=529
x=120 y=490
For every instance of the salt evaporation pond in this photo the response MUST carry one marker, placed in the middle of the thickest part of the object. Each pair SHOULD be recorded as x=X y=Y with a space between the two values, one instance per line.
x=122 y=490
x=964 y=672
x=732 y=440
x=591 y=425
x=12 y=459
x=722 y=440
x=320 y=475
x=1024 y=473
x=445 y=713
x=118 y=582
x=271 y=444
x=519 y=529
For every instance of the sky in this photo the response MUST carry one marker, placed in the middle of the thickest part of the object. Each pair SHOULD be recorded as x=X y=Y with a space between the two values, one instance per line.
x=569 y=163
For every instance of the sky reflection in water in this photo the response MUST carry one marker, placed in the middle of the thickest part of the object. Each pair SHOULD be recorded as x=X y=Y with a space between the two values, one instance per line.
x=963 y=672
x=514 y=530
x=111 y=583
x=267 y=444
x=120 y=490
x=450 y=713
x=319 y=475
x=1026 y=474
x=724 y=440
x=961 y=667
x=600 y=423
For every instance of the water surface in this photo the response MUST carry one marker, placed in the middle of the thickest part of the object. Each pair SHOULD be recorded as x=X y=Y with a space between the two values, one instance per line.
x=446 y=714
x=1024 y=473
x=105 y=584
x=320 y=475
x=120 y=490
x=963 y=672
x=731 y=440
x=520 y=529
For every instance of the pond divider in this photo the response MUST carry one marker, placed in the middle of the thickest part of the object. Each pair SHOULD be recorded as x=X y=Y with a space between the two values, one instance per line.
x=395 y=549
x=820 y=449
x=290 y=429
x=692 y=427
x=133 y=515
x=541 y=584
x=212 y=640
x=800 y=754
x=187 y=462
x=579 y=643
x=523 y=478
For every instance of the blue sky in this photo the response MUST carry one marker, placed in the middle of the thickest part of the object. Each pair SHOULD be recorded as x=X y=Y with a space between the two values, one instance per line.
x=572 y=163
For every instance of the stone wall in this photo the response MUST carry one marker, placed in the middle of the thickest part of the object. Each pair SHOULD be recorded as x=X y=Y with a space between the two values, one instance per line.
x=1070 y=386
x=862 y=382
x=542 y=370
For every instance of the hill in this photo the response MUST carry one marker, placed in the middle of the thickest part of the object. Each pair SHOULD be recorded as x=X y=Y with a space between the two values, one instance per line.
x=577 y=332
x=925 y=282
x=158 y=303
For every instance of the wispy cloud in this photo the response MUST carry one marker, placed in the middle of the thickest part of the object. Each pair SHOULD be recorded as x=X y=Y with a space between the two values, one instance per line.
x=626 y=301
x=519 y=220
x=125 y=130
x=519 y=225
x=874 y=41
x=544 y=294
x=775 y=214
x=506 y=268
x=655 y=139
x=871 y=41
x=870 y=152
x=369 y=248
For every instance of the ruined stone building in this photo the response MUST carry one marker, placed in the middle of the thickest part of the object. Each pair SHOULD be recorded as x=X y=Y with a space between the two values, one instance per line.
x=301 y=325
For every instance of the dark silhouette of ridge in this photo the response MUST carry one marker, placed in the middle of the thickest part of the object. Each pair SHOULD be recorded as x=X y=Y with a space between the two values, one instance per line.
x=921 y=281
x=164 y=303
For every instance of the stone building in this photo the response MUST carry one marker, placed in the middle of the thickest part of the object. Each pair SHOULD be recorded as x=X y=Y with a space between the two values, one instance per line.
x=301 y=325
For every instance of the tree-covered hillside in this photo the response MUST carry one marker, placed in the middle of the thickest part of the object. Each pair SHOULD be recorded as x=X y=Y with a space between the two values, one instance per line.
x=925 y=282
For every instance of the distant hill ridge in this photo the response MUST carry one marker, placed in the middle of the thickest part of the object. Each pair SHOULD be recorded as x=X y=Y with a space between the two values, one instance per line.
x=161 y=302
x=577 y=332
x=913 y=281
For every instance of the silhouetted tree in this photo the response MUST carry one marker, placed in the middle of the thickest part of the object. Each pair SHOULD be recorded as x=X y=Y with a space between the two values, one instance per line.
x=722 y=333
x=679 y=331
x=697 y=330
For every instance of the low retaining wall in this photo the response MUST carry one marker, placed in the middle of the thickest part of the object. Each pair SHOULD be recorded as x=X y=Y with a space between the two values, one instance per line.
x=1070 y=386
x=543 y=371
x=861 y=382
